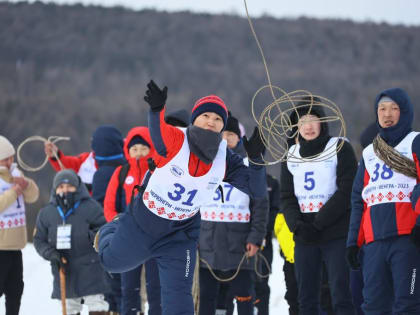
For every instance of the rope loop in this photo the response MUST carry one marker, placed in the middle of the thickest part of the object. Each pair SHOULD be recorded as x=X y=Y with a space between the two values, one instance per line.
x=274 y=123
x=52 y=139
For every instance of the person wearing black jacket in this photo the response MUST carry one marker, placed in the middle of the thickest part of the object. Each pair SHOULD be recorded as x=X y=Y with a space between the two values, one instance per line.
x=315 y=197
x=232 y=225
x=262 y=289
x=65 y=228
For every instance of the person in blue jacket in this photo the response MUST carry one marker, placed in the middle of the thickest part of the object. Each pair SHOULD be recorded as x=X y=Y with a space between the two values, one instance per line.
x=107 y=143
x=384 y=219
x=164 y=221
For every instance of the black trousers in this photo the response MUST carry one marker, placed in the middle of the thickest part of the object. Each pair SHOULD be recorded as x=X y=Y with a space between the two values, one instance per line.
x=309 y=261
x=262 y=289
x=241 y=288
x=11 y=279
x=291 y=295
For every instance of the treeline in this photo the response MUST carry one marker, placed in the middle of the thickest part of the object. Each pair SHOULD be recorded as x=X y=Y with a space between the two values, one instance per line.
x=64 y=70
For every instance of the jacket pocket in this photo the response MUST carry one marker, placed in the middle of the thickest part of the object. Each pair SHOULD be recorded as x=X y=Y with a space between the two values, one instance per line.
x=237 y=235
x=207 y=230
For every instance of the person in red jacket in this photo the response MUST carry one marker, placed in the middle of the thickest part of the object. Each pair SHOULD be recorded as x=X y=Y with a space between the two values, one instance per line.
x=83 y=164
x=106 y=152
x=138 y=148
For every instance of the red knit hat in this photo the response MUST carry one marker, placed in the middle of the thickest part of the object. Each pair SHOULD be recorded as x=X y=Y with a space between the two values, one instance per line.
x=211 y=103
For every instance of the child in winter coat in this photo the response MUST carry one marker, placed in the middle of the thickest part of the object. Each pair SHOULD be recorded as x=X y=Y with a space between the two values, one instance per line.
x=65 y=228
x=15 y=190
x=138 y=148
x=95 y=169
x=164 y=221
x=385 y=211
x=315 y=198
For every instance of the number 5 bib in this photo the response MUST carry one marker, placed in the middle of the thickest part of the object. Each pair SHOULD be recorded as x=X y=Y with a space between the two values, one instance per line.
x=172 y=193
x=314 y=182
x=386 y=185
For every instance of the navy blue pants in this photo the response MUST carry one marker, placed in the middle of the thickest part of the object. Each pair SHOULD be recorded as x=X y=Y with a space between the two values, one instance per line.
x=291 y=295
x=113 y=297
x=390 y=270
x=153 y=287
x=241 y=288
x=130 y=291
x=262 y=289
x=124 y=245
x=356 y=285
x=308 y=269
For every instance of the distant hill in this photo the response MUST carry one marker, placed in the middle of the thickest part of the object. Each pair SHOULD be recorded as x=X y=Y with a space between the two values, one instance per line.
x=64 y=70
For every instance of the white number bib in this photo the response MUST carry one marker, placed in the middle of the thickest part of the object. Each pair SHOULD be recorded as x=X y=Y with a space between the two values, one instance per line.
x=386 y=185
x=234 y=209
x=14 y=215
x=87 y=169
x=64 y=236
x=172 y=193
x=314 y=182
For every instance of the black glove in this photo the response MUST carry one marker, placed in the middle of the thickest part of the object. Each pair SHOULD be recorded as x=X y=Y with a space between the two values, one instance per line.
x=307 y=232
x=352 y=257
x=254 y=146
x=155 y=96
x=415 y=235
x=57 y=260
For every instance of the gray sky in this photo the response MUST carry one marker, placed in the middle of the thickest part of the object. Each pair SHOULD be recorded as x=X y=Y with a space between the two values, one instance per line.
x=405 y=12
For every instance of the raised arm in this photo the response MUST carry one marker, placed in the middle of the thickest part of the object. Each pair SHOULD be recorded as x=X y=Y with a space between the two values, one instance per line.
x=166 y=139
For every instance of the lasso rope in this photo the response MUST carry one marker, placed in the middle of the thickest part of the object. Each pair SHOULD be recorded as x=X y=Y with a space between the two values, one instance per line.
x=395 y=160
x=274 y=124
x=52 y=139
x=245 y=256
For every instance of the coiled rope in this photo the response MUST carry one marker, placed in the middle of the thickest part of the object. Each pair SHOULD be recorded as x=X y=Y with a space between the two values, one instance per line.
x=274 y=124
x=52 y=139
x=395 y=160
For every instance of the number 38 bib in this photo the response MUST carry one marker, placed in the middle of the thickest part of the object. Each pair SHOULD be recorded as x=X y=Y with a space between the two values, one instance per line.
x=172 y=193
x=386 y=185
x=314 y=182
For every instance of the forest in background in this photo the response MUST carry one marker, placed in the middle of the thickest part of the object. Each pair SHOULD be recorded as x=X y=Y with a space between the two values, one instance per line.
x=65 y=70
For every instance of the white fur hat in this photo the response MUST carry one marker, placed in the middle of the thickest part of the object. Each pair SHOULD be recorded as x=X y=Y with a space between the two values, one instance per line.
x=6 y=148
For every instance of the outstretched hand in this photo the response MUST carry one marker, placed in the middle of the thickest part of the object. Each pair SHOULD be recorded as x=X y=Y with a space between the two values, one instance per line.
x=155 y=97
x=254 y=146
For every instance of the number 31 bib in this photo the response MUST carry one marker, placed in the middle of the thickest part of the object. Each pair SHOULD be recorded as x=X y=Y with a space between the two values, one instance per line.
x=172 y=193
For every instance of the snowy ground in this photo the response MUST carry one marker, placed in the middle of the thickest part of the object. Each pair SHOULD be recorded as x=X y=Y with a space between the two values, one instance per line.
x=36 y=298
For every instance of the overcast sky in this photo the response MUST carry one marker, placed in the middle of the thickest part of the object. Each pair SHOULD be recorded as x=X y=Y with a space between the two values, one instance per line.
x=392 y=11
